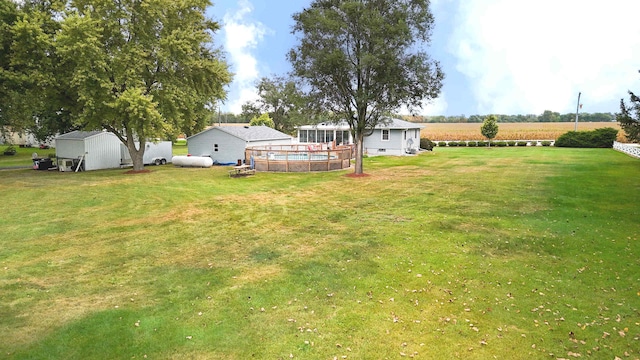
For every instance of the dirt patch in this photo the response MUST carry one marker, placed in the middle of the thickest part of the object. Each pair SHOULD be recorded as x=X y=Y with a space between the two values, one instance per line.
x=354 y=175
x=134 y=172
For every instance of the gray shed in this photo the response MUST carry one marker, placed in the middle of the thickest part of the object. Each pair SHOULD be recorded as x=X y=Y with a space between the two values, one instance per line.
x=226 y=144
x=97 y=149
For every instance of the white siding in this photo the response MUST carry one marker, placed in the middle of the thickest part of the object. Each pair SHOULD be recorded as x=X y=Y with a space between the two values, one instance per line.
x=69 y=148
x=374 y=145
x=230 y=148
x=102 y=152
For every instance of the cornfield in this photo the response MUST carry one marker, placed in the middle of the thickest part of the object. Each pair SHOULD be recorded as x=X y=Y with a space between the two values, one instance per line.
x=511 y=131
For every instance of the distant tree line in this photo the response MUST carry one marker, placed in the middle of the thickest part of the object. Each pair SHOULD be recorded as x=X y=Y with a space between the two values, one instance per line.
x=228 y=118
x=546 y=116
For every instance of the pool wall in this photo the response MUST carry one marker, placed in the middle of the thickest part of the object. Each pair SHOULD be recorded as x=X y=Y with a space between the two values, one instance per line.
x=300 y=157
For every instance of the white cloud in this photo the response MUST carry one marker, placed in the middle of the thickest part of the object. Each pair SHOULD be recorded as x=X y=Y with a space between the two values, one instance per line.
x=241 y=37
x=526 y=57
x=437 y=106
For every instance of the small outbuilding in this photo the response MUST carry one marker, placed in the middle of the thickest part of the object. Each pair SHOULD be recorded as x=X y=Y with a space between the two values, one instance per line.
x=391 y=137
x=91 y=150
x=95 y=150
x=227 y=144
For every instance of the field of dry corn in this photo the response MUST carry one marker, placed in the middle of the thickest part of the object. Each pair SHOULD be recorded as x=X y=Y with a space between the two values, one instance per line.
x=511 y=131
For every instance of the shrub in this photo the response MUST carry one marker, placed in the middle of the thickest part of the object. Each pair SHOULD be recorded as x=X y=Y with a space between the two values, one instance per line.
x=534 y=143
x=442 y=143
x=462 y=143
x=521 y=143
x=482 y=143
x=472 y=144
x=598 y=138
x=426 y=144
x=511 y=143
x=500 y=144
x=545 y=143
x=453 y=143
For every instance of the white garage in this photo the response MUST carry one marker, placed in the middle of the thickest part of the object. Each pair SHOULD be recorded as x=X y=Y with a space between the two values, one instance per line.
x=226 y=144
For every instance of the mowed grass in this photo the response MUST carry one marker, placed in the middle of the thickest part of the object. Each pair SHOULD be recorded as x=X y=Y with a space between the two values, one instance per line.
x=470 y=253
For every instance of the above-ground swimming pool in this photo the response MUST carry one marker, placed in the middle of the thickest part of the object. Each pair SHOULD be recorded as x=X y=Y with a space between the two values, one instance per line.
x=300 y=157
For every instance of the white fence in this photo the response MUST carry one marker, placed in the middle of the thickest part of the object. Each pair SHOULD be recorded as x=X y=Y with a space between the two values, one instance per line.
x=630 y=149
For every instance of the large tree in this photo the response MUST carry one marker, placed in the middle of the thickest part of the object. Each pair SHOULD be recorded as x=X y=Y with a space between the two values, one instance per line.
x=34 y=87
x=142 y=69
x=281 y=98
x=364 y=59
x=629 y=117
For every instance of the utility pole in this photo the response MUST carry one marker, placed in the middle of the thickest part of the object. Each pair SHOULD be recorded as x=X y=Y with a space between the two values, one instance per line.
x=577 y=109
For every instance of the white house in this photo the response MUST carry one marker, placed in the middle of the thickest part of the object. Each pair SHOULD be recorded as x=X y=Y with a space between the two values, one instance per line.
x=392 y=137
x=226 y=144
x=94 y=150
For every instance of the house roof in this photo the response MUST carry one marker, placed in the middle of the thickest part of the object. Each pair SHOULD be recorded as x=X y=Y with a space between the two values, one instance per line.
x=249 y=133
x=389 y=123
x=78 y=135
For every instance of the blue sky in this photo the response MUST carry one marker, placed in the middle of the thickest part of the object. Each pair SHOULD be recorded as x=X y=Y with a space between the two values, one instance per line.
x=499 y=56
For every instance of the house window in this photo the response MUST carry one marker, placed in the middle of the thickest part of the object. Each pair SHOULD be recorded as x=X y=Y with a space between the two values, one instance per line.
x=303 y=136
x=339 y=137
x=329 y=136
x=215 y=147
x=416 y=133
x=320 y=136
x=385 y=134
x=345 y=137
x=312 y=136
x=405 y=135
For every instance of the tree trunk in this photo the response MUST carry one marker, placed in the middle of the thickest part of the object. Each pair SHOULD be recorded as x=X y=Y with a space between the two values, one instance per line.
x=359 y=153
x=137 y=155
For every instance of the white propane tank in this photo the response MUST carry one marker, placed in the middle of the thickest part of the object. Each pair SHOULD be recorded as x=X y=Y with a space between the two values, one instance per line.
x=192 y=161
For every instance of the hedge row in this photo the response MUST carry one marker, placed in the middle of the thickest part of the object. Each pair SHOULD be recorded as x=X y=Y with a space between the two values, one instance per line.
x=482 y=143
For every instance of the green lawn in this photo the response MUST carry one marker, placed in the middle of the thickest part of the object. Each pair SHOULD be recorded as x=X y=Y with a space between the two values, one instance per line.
x=470 y=253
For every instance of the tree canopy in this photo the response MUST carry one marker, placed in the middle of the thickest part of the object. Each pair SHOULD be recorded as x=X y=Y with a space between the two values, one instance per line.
x=34 y=86
x=141 y=70
x=489 y=127
x=263 y=119
x=629 y=117
x=364 y=59
x=282 y=100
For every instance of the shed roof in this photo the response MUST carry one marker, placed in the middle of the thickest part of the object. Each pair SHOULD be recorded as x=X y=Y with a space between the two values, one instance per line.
x=250 y=133
x=78 y=135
